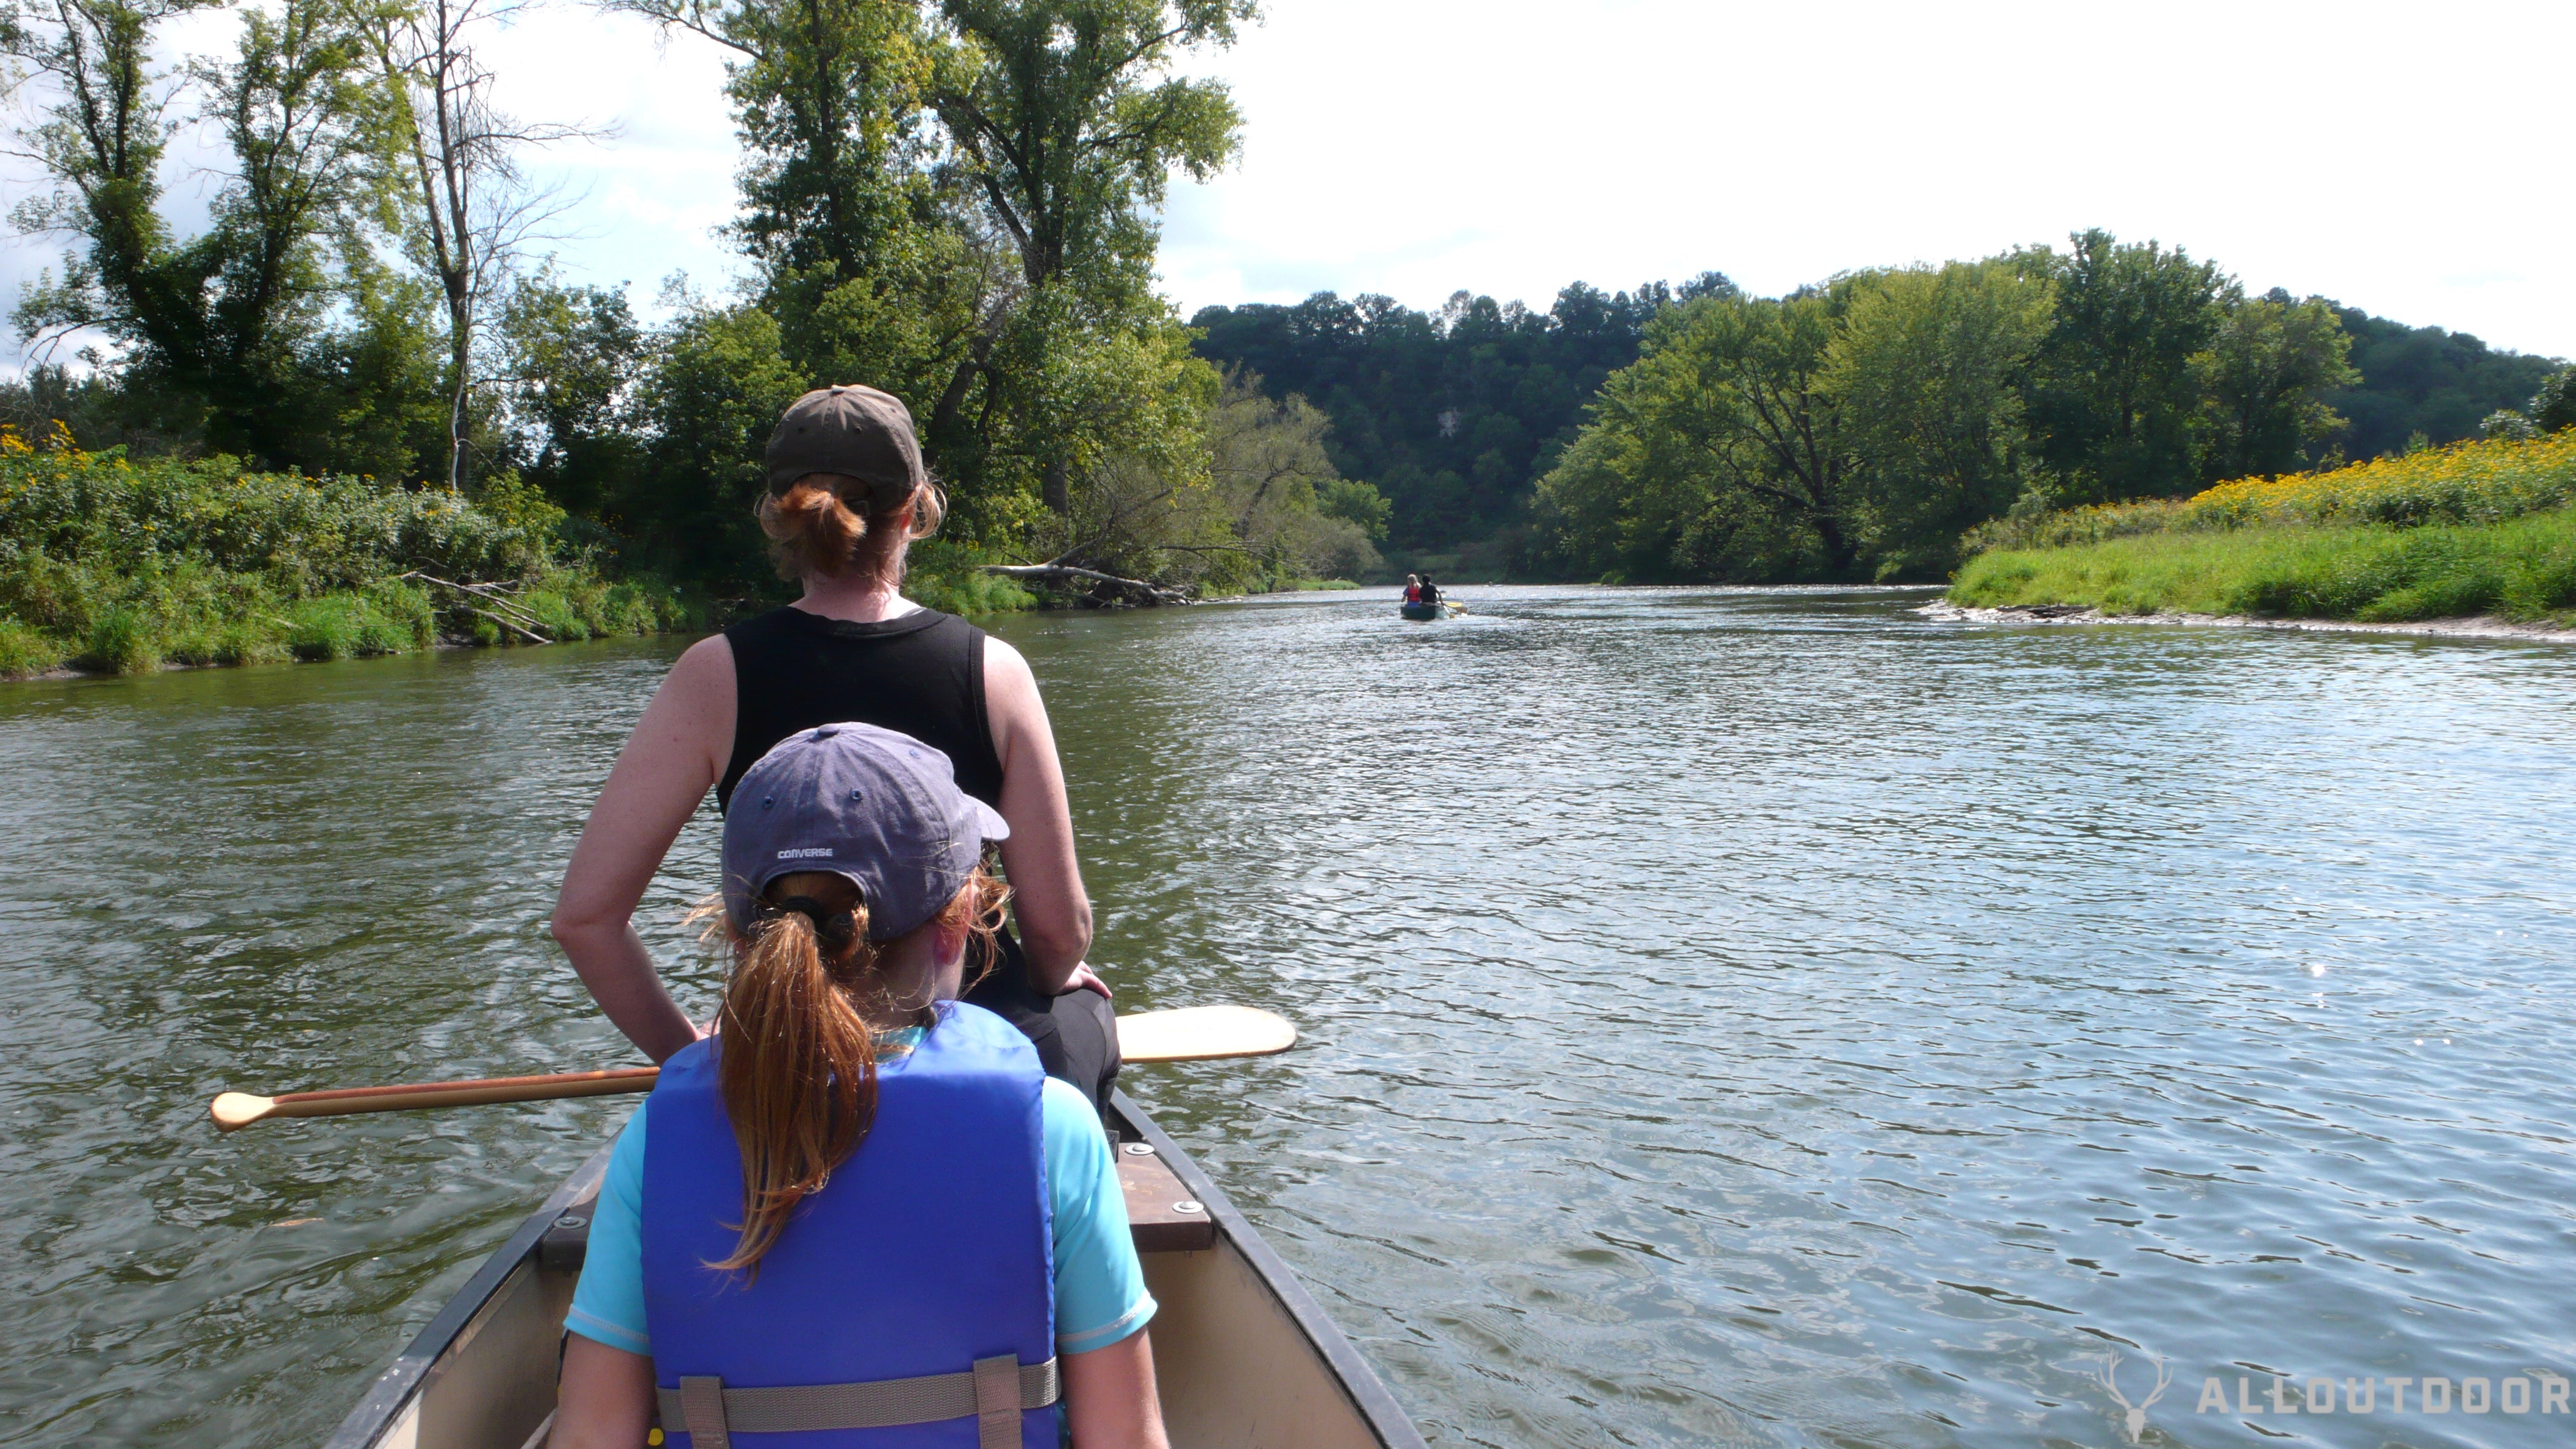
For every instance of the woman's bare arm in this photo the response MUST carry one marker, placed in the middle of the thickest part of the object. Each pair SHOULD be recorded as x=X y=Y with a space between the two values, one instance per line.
x=1047 y=901
x=1110 y=1398
x=605 y=1400
x=677 y=753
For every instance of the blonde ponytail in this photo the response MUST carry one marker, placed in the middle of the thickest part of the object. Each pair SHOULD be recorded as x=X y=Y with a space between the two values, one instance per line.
x=797 y=1060
x=798 y=1069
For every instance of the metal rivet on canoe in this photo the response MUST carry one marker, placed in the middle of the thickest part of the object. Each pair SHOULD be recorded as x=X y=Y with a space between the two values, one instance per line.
x=1138 y=1149
x=570 y=1221
x=1185 y=1205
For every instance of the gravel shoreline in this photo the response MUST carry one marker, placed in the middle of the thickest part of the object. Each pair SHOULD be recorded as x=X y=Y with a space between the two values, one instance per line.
x=2483 y=626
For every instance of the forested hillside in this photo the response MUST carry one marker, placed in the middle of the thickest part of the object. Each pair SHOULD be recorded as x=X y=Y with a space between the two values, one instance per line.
x=2424 y=380
x=1773 y=440
x=1454 y=415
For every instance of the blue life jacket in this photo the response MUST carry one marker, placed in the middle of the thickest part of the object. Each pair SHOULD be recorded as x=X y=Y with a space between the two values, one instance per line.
x=929 y=1249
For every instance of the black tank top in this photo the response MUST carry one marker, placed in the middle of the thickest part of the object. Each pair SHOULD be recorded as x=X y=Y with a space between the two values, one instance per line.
x=922 y=674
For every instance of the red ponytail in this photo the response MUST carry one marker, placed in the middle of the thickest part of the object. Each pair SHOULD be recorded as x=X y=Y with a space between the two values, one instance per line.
x=813 y=531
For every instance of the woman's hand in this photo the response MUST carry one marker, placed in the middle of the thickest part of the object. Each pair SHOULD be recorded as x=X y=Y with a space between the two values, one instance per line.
x=677 y=753
x=1085 y=979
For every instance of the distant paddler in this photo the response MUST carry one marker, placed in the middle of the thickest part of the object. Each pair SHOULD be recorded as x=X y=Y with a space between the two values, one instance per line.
x=847 y=495
x=1422 y=601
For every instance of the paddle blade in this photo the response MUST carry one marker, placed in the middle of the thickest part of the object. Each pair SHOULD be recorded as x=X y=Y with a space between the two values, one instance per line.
x=235 y=1110
x=1203 y=1033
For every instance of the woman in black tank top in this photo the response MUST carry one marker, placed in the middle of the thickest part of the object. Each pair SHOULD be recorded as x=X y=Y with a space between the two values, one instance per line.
x=847 y=496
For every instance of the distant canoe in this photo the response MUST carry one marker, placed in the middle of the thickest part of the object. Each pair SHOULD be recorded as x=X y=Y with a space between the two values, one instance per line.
x=1420 y=611
x=1245 y=1359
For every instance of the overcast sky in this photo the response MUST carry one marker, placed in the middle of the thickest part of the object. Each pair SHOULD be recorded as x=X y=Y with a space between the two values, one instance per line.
x=2409 y=159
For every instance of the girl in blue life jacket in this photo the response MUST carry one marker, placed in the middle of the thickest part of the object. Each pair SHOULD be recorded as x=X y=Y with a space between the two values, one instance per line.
x=858 y=1216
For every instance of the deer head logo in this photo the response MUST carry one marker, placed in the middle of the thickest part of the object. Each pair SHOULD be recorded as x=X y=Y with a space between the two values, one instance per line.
x=2137 y=1412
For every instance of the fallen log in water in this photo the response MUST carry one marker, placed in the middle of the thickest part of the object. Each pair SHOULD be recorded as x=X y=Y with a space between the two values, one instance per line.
x=518 y=620
x=1093 y=583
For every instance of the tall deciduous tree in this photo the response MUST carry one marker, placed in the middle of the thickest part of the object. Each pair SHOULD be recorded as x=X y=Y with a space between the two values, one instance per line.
x=2264 y=381
x=830 y=100
x=1720 y=452
x=1063 y=121
x=1926 y=366
x=955 y=204
x=101 y=141
x=2113 y=398
x=229 y=322
x=470 y=208
x=572 y=354
x=1292 y=513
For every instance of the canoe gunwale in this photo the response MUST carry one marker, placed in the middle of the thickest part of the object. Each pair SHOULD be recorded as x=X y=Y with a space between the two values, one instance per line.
x=1385 y=1417
x=410 y=1373
x=422 y=1363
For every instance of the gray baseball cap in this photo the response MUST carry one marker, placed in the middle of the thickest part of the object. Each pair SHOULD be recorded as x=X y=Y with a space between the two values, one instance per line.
x=878 y=808
x=857 y=432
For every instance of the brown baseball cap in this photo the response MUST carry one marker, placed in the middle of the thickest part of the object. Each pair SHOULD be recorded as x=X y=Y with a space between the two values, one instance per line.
x=857 y=432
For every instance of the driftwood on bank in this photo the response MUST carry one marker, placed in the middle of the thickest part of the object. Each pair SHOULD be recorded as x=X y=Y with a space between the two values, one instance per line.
x=1095 y=587
x=516 y=619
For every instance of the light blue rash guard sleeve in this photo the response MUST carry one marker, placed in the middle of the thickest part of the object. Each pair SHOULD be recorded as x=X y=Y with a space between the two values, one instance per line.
x=608 y=1302
x=1100 y=1295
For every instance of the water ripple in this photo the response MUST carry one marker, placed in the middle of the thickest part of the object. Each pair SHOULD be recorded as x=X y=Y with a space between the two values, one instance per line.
x=1731 y=1017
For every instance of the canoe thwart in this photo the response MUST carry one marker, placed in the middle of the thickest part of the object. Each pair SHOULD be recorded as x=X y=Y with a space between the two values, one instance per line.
x=1161 y=1213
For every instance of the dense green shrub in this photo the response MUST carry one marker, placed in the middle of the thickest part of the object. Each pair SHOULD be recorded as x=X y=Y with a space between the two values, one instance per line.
x=2487 y=481
x=27 y=650
x=2523 y=568
x=949 y=576
x=112 y=564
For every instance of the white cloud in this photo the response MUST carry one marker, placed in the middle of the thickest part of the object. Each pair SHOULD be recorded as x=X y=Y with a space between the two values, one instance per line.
x=2392 y=156
x=2395 y=157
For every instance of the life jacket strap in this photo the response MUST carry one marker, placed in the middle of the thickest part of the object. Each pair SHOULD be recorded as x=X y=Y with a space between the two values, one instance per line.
x=994 y=1393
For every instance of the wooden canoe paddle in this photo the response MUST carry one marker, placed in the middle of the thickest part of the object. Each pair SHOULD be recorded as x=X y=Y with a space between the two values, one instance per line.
x=1187 y=1034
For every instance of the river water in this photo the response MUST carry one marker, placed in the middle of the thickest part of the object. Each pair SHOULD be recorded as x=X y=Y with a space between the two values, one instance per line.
x=1753 y=1017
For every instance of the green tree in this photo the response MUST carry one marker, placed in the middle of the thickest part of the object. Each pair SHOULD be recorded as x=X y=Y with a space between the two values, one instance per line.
x=569 y=355
x=715 y=387
x=1926 y=367
x=872 y=269
x=1292 y=513
x=1454 y=414
x=2424 y=380
x=2554 y=406
x=225 y=325
x=2264 y=381
x=2113 y=398
x=1720 y=452
x=1063 y=122
x=468 y=213
x=957 y=205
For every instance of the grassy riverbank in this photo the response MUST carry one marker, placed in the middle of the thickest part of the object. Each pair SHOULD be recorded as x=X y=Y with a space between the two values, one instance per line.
x=2480 y=528
x=114 y=565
